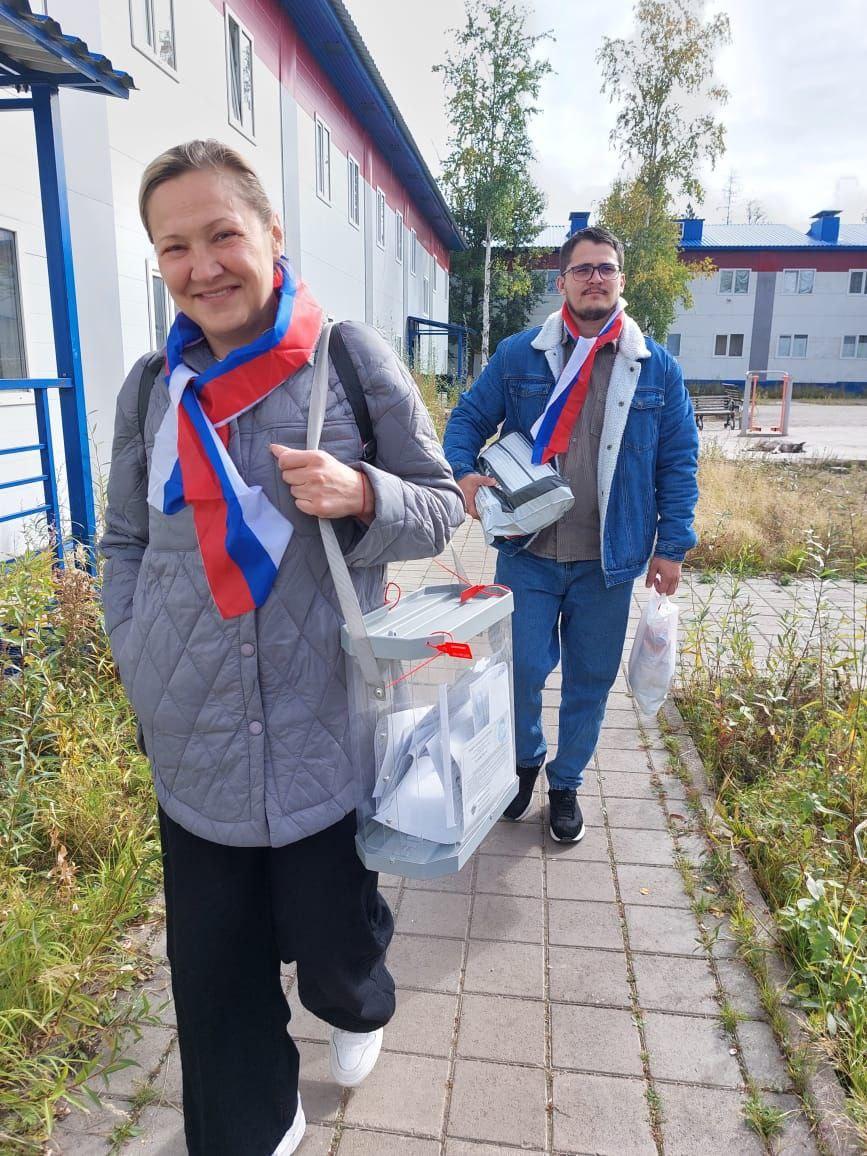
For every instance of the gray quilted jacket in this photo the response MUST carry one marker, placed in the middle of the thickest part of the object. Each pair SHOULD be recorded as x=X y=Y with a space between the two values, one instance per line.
x=245 y=720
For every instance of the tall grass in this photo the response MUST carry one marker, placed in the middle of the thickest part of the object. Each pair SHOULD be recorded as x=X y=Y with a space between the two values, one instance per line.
x=758 y=515
x=784 y=739
x=78 y=857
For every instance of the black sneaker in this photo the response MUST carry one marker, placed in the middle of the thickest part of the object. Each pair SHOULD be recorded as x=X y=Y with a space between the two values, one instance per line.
x=520 y=805
x=567 y=822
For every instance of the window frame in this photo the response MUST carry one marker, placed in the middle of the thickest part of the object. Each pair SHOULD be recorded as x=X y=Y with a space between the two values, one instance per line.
x=381 y=218
x=243 y=30
x=143 y=46
x=798 y=291
x=398 y=237
x=859 y=341
x=434 y=273
x=425 y=295
x=413 y=252
x=152 y=272
x=792 y=338
x=733 y=291
x=320 y=125
x=353 y=175
x=728 y=340
x=857 y=292
x=16 y=397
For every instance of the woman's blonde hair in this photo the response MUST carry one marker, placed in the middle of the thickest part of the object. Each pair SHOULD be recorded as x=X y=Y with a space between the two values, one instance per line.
x=196 y=156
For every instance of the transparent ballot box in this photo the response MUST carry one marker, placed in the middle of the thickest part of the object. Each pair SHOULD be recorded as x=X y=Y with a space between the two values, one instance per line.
x=435 y=740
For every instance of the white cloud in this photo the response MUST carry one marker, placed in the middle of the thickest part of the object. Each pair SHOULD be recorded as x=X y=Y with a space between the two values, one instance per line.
x=796 y=121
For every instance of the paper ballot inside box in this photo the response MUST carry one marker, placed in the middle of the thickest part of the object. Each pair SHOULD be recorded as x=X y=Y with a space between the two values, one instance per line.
x=442 y=769
x=526 y=498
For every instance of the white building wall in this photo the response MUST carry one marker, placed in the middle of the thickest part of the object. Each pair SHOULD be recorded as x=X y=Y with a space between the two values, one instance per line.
x=108 y=142
x=824 y=315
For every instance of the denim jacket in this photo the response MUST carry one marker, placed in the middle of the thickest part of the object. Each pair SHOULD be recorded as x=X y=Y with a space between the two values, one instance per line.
x=648 y=453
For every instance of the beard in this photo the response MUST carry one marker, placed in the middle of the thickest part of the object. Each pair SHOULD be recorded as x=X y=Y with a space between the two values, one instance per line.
x=592 y=311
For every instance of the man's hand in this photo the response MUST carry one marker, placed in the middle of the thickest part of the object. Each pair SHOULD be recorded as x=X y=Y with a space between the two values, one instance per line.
x=324 y=487
x=663 y=574
x=469 y=485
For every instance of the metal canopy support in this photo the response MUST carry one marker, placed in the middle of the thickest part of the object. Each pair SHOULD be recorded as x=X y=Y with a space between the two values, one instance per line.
x=64 y=314
x=417 y=327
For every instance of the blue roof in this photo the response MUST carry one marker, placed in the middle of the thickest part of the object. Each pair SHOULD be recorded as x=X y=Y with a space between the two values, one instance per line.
x=329 y=32
x=774 y=237
x=34 y=50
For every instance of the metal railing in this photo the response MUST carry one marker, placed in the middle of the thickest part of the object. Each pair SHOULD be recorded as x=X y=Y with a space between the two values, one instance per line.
x=50 y=507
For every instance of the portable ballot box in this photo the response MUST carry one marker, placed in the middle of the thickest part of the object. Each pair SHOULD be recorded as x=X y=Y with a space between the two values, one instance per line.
x=435 y=742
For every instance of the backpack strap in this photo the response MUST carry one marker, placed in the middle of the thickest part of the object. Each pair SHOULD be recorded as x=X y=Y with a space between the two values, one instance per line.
x=354 y=391
x=149 y=374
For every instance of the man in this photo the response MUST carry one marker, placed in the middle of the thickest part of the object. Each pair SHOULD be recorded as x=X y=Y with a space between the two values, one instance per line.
x=626 y=441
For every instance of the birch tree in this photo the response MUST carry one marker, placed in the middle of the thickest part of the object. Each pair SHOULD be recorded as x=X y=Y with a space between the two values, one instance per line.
x=492 y=81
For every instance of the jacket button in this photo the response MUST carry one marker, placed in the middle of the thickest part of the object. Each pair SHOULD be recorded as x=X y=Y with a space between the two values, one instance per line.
x=620 y=403
x=608 y=447
x=248 y=649
x=255 y=728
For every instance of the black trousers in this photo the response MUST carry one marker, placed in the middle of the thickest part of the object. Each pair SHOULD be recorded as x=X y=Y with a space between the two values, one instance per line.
x=232 y=915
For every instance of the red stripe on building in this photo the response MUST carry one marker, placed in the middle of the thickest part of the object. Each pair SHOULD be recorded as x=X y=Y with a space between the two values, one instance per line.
x=775 y=260
x=279 y=47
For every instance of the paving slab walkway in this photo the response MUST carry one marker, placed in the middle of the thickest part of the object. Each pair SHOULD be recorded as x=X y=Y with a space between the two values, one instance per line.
x=558 y=999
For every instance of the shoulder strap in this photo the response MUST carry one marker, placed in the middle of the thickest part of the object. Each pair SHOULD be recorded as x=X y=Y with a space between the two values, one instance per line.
x=149 y=374
x=354 y=390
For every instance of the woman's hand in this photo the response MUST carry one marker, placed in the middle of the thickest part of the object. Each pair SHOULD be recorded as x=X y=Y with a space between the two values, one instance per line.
x=322 y=486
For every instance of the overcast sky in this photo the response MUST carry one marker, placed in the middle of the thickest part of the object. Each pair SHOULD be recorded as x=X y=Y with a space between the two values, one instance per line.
x=796 y=120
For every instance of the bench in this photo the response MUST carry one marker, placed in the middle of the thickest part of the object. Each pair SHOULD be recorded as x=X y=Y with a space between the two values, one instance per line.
x=716 y=405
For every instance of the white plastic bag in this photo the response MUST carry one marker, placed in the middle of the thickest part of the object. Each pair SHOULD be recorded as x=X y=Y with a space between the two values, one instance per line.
x=654 y=653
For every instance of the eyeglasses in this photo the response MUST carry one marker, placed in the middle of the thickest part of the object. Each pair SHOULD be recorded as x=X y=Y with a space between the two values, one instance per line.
x=607 y=271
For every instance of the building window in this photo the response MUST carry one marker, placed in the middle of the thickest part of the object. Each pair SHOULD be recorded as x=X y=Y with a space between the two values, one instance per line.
x=425 y=296
x=160 y=306
x=435 y=271
x=323 y=159
x=858 y=280
x=728 y=345
x=798 y=280
x=380 y=218
x=354 y=183
x=153 y=30
x=551 y=276
x=239 y=65
x=13 y=360
x=413 y=251
x=734 y=281
x=398 y=237
x=672 y=344
x=792 y=345
x=853 y=346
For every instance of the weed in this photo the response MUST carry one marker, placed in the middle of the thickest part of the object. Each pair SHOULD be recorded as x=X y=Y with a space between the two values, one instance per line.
x=78 y=859
x=764 y=1118
x=730 y=1017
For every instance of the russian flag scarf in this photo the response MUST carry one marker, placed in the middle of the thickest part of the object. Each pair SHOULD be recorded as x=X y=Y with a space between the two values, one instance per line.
x=552 y=431
x=242 y=537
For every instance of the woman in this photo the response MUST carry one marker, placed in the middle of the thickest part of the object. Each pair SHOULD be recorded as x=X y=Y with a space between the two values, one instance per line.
x=224 y=625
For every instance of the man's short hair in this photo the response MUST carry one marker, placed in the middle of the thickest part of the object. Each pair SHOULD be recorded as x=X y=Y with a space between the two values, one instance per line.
x=598 y=236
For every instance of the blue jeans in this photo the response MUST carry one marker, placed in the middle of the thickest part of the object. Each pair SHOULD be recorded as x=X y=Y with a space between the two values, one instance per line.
x=563 y=608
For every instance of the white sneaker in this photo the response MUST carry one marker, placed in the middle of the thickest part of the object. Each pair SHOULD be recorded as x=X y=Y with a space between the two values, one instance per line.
x=292 y=1140
x=352 y=1055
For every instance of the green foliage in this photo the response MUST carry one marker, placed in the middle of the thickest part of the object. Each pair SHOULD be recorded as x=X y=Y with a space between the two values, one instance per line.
x=657 y=281
x=78 y=856
x=667 y=65
x=784 y=740
x=492 y=82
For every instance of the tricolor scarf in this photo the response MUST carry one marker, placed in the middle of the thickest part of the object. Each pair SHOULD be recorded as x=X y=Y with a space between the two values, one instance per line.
x=241 y=535
x=552 y=431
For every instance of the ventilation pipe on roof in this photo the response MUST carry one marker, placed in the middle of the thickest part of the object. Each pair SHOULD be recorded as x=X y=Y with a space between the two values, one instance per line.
x=691 y=229
x=826 y=226
x=578 y=221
